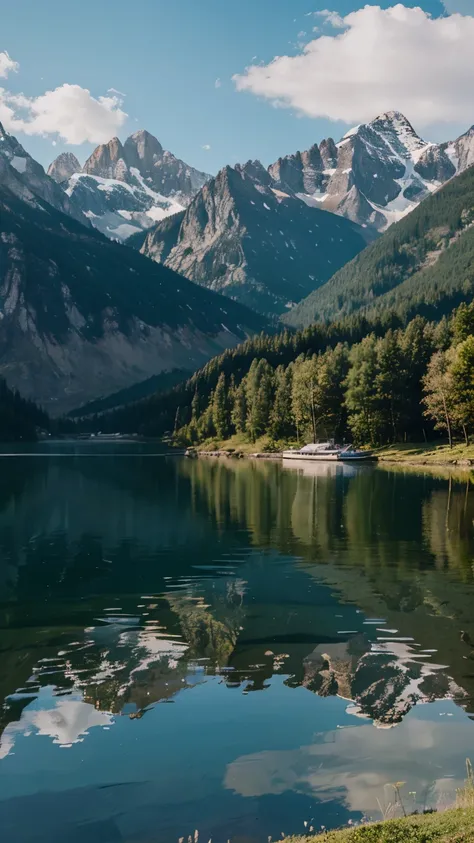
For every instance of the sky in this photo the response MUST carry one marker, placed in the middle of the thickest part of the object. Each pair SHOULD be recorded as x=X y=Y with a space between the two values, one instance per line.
x=221 y=81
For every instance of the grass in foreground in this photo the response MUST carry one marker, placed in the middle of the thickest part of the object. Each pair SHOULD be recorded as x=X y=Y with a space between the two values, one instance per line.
x=455 y=826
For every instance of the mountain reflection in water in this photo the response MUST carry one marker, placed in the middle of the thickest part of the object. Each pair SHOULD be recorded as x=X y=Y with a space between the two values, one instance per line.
x=131 y=581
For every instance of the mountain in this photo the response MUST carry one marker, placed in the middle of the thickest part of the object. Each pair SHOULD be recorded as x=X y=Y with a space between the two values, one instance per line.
x=162 y=171
x=25 y=177
x=423 y=264
x=63 y=167
x=376 y=174
x=82 y=316
x=126 y=188
x=257 y=244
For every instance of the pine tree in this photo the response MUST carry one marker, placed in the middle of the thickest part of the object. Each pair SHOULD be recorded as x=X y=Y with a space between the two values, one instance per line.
x=220 y=409
x=281 y=421
x=329 y=398
x=239 y=408
x=259 y=398
x=362 y=395
x=305 y=375
x=391 y=381
x=463 y=322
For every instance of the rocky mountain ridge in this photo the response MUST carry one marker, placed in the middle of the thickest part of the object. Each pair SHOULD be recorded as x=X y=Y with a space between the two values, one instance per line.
x=257 y=244
x=125 y=188
x=424 y=264
x=82 y=316
x=27 y=179
x=376 y=174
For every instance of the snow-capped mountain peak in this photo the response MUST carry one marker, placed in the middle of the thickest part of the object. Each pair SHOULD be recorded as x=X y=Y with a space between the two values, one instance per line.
x=124 y=188
x=377 y=173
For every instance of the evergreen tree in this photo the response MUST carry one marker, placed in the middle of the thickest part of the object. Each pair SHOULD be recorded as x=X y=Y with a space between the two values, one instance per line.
x=391 y=381
x=195 y=406
x=362 y=395
x=239 y=407
x=259 y=398
x=303 y=397
x=417 y=345
x=463 y=322
x=330 y=405
x=220 y=409
x=281 y=419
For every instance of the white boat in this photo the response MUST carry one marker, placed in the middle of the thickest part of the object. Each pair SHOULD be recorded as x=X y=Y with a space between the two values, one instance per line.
x=350 y=454
x=328 y=452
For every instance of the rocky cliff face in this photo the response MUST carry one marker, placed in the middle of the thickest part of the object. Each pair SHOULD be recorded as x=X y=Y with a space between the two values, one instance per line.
x=243 y=228
x=376 y=174
x=26 y=177
x=461 y=151
x=254 y=242
x=63 y=167
x=126 y=188
x=144 y=155
x=82 y=316
x=108 y=161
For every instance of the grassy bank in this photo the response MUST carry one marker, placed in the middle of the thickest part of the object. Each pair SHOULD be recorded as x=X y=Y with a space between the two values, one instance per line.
x=436 y=454
x=430 y=454
x=455 y=826
x=242 y=445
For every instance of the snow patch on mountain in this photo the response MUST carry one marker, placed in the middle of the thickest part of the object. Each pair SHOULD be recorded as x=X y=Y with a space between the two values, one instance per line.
x=108 y=202
x=376 y=174
x=138 y=181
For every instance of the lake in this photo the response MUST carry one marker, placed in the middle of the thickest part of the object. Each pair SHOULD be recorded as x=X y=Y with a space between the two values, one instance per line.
x=240 y=648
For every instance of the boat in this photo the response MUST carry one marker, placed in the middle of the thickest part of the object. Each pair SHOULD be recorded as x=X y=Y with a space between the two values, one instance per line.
x=350 y=454
x=328 y=452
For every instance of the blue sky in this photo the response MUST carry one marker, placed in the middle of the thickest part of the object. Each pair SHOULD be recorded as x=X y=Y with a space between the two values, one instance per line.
x=166 y=56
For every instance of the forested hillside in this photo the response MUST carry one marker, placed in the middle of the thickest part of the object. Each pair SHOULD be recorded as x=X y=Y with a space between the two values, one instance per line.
x=83 y=316
x=372 y=381
x=19 y=419
x=161 y=412
x=423 y=264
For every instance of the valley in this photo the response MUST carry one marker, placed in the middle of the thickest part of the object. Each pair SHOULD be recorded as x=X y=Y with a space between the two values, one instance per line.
x=230 y=232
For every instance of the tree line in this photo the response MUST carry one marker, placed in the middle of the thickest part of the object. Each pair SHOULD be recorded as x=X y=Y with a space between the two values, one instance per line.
x=399 y=386
x=19 y=418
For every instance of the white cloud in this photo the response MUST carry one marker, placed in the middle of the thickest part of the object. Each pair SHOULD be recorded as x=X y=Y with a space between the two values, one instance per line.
x=7 y=65
x=218 y=83
x=207 y=147
x=383 y=60
x=68 y=111
x=332 y=18
x=114 y=91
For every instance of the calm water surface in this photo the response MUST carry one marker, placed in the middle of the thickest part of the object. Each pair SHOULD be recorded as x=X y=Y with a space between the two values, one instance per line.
x=235 y=647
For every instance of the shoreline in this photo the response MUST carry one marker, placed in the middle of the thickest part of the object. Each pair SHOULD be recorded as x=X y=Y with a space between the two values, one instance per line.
x=412 y=455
